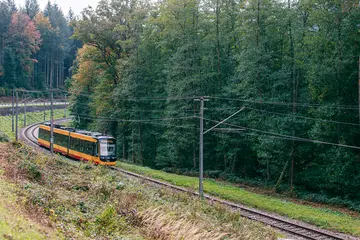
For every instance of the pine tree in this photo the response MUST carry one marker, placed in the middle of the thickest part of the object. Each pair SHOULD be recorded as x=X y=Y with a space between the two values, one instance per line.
x=9 y=68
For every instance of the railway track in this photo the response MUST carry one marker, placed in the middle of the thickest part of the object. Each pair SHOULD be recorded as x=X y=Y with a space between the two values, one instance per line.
x=294 y=228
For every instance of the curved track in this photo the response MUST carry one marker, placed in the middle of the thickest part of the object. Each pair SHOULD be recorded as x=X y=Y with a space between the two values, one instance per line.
x=295 y=228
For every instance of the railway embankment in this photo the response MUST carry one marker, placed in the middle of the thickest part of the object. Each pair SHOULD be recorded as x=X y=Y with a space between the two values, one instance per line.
x=295 y=228
x=76 y=200
x=325 y=216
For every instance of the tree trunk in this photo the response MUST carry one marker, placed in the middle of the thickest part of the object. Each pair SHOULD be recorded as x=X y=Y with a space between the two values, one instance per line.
x=46 y=72
x=267 y=169
x=294 y=92
x=51 y=72
x=233 y=167
x=258 y=74
x=132 y=146
x=218 y=37
x=359 y=88
x=194 y=156
x=2 y=46
x=124 y=145
x=141 y=145
x=282 y=174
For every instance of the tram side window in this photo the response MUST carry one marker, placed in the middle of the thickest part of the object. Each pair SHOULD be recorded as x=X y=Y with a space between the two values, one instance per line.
x=71 y=146
x=61 y=139
x=75 y=144
x=96 y=152
x=82 y=146
x=64 y=140
x=43 y=134
x=88 y=147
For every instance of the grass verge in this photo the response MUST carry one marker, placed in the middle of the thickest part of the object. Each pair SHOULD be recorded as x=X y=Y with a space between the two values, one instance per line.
x=32 y=117
x=322 y=217
x=82 y=201
x=14 y=223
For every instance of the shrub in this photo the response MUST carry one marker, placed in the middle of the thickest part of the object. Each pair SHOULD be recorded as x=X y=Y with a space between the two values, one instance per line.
x=32 y=170
x=109 y=221
x=2 y=92
x=4 y=137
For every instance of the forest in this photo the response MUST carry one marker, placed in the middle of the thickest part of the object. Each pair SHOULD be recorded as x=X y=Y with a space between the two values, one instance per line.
x=36 y=51
x=291 y=66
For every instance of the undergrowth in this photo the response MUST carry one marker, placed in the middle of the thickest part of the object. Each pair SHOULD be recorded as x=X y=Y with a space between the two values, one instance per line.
x=283 y=189
x=320 y=216
x=82 y=201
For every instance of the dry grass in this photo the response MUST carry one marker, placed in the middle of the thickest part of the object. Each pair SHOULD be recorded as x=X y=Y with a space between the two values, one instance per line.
x=194 y=219
x=160 y=225
x=323 y=217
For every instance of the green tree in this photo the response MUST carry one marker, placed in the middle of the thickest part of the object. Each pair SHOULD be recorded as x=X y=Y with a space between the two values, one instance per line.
x=32 y=8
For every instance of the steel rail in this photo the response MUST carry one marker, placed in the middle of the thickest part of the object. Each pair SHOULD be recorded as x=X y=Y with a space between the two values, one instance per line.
x=302 y=230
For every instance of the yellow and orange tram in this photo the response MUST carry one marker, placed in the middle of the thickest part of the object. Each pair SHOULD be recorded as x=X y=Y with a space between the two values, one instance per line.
x=81 y=145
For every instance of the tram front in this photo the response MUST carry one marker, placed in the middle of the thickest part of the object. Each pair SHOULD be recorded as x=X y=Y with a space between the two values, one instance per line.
x=107 y=149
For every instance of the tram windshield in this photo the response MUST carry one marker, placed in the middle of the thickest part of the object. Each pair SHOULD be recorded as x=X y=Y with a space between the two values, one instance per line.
x=107 y=147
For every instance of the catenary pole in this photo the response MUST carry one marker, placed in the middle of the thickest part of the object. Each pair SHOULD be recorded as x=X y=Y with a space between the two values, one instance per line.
x=201 y=141
x=12 y=111
x=17 y=113
x=201 y=149
x=24 y=110
x=44 y=111
x=52 y=124
x=201 y=146
x=65 y=108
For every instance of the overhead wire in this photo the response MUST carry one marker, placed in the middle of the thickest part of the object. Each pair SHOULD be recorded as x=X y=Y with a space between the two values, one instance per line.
x=286 y=136
x=165 y=98
x=146 y=122
x=172 y=98
x=138 y=110
x=256 y=134
x=349 y=107
x=159 y=98
x=134 y=120
x=298 y=116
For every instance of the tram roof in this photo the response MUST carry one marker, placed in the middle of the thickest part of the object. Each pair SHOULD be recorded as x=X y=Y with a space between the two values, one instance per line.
x=96 y=135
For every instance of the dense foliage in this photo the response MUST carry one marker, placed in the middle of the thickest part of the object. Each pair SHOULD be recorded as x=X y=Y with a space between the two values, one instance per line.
x=292 y=65
x=36 y=51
